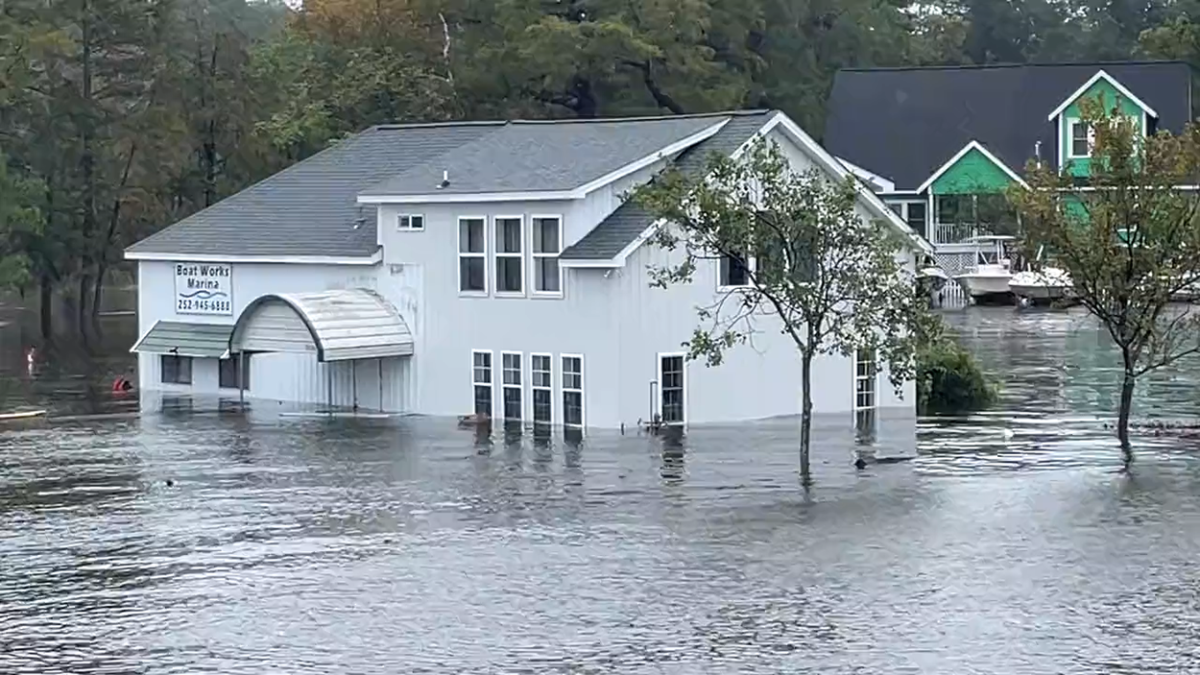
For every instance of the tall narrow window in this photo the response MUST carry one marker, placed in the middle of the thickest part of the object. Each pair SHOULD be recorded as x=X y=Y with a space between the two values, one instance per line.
x=510 y=364
x=547 y=244
x=542 y=384
x=176 y=369
x=735 y=271
x=481 y=378
x=572 y=390
x=864 y=379
x=1081 y=139
x=472 y=255
x=510 y=254
x=915 y=217
x=671 y=384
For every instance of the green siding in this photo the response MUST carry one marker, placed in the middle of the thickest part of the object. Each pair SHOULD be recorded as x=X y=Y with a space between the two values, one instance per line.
x=973 y=173
x=1109 y=96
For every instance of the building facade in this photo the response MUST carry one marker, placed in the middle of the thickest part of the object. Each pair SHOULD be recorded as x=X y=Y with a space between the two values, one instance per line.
x=942 y=145
x=489 y=268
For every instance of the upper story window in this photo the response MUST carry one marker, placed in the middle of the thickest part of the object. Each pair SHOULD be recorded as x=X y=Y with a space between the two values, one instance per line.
x=510 y=254
x=410 y=222
x=735 y=271
x=472 y=256
x=1081 y=139
x=547 y=245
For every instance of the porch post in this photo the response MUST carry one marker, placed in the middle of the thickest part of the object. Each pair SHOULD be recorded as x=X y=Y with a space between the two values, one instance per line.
x=354 y=383
x=241 y=378
x=379 y=361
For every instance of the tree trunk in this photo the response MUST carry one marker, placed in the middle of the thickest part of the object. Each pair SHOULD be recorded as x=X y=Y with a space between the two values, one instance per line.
x=98 y=295
x=1123 y=416
x=82 y=309
x=805 y=418
x=46 y=293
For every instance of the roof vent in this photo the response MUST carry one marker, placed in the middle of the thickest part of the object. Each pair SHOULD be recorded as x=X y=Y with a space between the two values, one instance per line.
x=445 y=180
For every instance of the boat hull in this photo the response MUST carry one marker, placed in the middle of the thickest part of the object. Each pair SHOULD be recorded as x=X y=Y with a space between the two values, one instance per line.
x=986 y=289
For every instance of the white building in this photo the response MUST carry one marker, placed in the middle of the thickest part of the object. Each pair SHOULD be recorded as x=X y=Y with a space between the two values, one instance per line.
x=442 y=269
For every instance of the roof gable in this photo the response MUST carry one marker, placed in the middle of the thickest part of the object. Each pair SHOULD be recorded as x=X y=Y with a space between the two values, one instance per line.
x=1093 y=87
x=903 y=123
x=972 y=169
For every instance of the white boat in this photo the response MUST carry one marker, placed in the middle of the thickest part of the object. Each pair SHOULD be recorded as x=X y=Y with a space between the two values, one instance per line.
x=1045 y=285
x=987 y=281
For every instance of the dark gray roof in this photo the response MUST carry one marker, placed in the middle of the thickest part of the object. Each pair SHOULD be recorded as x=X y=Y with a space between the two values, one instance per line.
x=544 y=156
x=186 y=339
x=905 y=123
x=629 y=220
x=309 y=208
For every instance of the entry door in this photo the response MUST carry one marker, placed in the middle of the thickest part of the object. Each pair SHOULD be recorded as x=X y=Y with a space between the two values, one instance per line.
x=672 y=388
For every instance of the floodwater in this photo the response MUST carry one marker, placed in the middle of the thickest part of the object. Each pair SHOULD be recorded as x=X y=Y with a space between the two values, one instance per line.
x=1011 y=545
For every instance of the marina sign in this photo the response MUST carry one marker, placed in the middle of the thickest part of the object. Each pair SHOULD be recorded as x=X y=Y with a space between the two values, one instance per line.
x=202 y=288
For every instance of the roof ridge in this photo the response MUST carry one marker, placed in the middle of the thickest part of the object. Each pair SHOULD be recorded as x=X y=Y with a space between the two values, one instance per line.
x=645 y=118
x=997 y=66
x=434 y=125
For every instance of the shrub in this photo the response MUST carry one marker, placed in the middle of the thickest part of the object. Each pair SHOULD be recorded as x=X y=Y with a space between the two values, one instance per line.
x=949 y=380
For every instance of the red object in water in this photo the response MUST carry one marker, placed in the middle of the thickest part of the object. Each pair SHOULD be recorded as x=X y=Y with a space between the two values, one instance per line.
x=121 y=385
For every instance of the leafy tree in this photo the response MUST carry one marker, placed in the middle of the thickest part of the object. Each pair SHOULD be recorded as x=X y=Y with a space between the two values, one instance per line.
x=21 y=221
x=816 y=270
x=1129 y=238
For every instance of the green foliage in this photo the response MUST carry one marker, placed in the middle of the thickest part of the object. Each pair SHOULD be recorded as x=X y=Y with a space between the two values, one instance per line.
x=21 y=220
x=1128 y=236
x=949 y=380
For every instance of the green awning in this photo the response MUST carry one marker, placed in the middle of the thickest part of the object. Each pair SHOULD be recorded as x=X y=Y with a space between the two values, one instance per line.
x=204 y=340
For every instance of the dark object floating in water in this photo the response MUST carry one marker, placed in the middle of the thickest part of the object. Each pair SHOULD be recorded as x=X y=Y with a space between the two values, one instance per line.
x=170 y=483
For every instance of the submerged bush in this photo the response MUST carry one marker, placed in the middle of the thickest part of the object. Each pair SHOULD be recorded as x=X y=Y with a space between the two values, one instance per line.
x=949 y=380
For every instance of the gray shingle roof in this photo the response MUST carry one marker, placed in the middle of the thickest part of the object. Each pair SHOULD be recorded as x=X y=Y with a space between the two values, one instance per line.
x=309 y=208
x=544 y=156
x=629 y=220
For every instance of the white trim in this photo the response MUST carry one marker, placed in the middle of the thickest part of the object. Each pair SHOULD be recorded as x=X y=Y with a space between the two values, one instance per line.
x=491 y=380
x=519 y=386
x=1100 y=74
x=550 y=195
x=884 y=184
x=582 y=390
x=683 y=394
x=835 y=167
x=588 y=263
x=535 y=256
x=497 y=255
x=191 y=361
x=536 y=387
x=410 y=217
x=459 y=255
x=751 y=264
x=373 y=259
x=973 y=145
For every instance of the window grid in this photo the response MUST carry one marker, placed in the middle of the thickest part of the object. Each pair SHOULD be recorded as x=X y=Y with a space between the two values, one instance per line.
x=547 y=245
x=481 y=381
x=542 y=387
x=671 y=388
x=175 y=369
x=472 y=256
x=572 y=390
x=510 y=254
x=408 y=222
x=510 y=374
x=864 y=379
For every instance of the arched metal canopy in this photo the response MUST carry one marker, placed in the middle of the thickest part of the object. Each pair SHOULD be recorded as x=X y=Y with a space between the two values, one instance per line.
x=339 y=325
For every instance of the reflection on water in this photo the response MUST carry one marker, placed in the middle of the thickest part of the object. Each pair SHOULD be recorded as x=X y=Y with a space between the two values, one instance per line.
x=291 y=545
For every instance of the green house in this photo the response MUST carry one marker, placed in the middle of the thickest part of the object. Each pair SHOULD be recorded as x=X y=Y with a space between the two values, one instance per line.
x=942 y=145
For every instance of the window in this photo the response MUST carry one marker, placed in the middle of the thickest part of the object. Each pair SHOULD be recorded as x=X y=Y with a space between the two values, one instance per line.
x=408 y=223
x=572 y=390
x=547 y=244
x=671 y=387
x=510 y=373
x=864 y=379
x=231 y=375
x=960 y=217
x=1081 y=139
x=541 y=382
x=735 y=271
x=176 y=369
x=510 y=255
x=481 y=379
x=915 y=217
x=472 y=256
